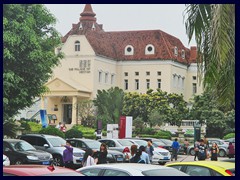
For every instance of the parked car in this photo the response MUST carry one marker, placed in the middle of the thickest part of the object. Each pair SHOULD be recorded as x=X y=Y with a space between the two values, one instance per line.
x=21 y=152
x=38 y=170
x=160 y=155
x=232 y=140
x=113 y=156
x=6 y=161
x=126 y=169
x=52 y=144
x=121 y=145
x=205 y=168
x=221 y=144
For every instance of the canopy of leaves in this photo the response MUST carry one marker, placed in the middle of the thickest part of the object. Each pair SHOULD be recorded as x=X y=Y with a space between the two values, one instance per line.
x=28 y=54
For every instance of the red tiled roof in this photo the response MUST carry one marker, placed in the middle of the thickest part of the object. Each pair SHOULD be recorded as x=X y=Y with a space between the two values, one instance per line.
x=112 y=44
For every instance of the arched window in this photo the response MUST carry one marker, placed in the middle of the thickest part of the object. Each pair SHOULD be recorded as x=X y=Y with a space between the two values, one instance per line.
x=77 y=45
x=129 y=50
x=149 y=49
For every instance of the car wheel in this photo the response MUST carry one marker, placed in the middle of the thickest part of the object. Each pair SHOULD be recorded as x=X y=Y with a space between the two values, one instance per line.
x=192 y=152
x=162 y=163
x=222 y=153
x=57 y=160
x=18 y=162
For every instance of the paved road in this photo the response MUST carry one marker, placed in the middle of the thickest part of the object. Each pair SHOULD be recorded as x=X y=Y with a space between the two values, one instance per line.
x=187 y=158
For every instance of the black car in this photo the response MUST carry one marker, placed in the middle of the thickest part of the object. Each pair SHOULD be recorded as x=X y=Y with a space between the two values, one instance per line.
x=21 y=152
x=112 y=156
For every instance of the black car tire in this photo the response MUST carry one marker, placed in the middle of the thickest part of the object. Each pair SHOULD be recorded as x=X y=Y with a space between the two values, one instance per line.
x=57 y=160
x=162 y=163
x=192 y=152
x=18 y=162
x=222 y=153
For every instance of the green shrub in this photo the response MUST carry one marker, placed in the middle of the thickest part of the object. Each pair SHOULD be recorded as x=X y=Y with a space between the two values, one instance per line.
x=25 y=125
x=89 y=136
x=35 y=127
x=154 y=136
x=73 y=133
x=52 y=131
x=84 y=129
x=149 y=131
x=230 y=135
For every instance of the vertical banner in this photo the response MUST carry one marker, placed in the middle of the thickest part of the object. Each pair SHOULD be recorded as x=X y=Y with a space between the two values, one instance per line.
x=122 y=127
x=43 y=116
x=128 y=133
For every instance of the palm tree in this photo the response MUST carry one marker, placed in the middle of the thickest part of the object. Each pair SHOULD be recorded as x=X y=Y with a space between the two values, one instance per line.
x=214 y=28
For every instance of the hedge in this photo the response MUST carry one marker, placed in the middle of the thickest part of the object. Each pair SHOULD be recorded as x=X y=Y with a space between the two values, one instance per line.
x=230 y=135
x=73 y=133
x=154 y=136
x=52 y=131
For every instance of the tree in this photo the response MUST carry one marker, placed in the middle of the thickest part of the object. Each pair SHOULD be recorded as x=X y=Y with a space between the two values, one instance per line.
x=214 y=28
x=9 y=128
x=86 y=113
x=29 y=40
x=109 y=105
x=155 y=118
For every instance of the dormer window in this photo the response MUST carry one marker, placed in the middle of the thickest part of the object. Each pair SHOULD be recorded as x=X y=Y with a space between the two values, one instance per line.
x=80 y=26
x=183 y=54
x=149 y=49
x=129 y=50
x=175 y=51
x=77 y=45
x=93 y=27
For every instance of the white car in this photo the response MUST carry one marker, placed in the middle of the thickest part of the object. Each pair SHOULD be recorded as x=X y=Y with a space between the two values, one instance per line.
x=129 y=169
x=160 y=155
x=6 y=161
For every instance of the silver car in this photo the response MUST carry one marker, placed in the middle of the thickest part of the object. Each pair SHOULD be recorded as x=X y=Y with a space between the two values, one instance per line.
x=129 y=169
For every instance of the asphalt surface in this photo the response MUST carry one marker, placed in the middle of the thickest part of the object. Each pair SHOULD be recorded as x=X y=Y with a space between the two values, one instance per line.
x=189 y=158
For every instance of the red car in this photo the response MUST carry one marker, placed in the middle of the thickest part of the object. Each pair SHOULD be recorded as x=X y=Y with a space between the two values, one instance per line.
x=38 y=170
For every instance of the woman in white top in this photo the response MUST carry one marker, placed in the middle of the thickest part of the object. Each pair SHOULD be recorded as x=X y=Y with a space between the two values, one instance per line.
x=88 y=159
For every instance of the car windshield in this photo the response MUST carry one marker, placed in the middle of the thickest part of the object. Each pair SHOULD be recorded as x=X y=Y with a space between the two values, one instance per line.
x=167 y=141
x=56 y=141
x=141 y=143
x=93 y=144
x=158 y=143
x=64 y=174
x=22 y=146
x=125 y=142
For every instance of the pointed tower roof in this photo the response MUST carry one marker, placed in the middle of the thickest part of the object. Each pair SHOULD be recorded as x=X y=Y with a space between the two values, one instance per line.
x=88 y=14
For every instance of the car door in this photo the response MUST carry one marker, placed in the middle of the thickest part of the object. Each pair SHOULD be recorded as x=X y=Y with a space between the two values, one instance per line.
x=9 y=152
x=40 y=142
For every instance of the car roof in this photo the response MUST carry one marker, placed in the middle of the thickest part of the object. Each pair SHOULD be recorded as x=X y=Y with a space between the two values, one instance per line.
x=225 y=165
x=40 y=135
x=34 y=170
x=13 y=140
x=133 y=168
x=80 y=139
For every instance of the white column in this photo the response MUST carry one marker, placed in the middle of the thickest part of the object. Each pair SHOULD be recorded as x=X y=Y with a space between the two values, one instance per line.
x=74 y=110
x=42 y=102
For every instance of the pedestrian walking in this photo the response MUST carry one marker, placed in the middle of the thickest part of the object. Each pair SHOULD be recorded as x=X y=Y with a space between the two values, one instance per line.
x=202 y=151
x=68 y=156
x=88 y=159
x=175 y=149
x=149 y=150
x=196 y=144
x=214 y=150
x=144 y=155
x=185 y=146
x=63 y=127
x=231 y=150
x=102 y=154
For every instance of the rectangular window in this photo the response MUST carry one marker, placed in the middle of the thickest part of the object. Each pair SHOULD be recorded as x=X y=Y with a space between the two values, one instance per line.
x=136 y=73
x=183 y=83
x=99 y=76
x=112 y=79
x=159 y=73
x=106 y=77
x=136 y=84
x=194 y=88
x=126 y=74
x=159 y=83
x=179 y=82
x=194 y=77
x=126 y=84
x=148 y=83
x=148 y=73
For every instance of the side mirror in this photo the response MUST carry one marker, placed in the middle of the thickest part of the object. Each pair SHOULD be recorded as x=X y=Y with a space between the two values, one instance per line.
x=46 y=145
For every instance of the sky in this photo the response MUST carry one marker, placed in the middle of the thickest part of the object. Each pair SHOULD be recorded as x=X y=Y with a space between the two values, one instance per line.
x=126 y=17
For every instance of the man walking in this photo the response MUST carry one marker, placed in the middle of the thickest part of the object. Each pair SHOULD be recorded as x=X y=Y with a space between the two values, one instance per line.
x=175 y=149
